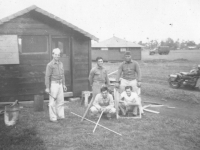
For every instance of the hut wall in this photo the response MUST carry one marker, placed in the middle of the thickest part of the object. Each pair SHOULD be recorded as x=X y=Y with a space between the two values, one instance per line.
x=82 y=64
x=24 y=80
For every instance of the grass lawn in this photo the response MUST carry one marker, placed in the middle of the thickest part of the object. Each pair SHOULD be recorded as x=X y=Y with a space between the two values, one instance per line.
x=172 y=129
x=152 y=132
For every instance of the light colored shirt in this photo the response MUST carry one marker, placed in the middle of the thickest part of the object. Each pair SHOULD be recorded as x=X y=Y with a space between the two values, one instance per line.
x=98 y=74
x=100 y=102
x=54 y=72
x=129 y=99
x=129 y=71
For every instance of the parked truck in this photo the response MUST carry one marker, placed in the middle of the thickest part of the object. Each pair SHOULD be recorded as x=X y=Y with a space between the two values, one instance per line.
x=162 y=50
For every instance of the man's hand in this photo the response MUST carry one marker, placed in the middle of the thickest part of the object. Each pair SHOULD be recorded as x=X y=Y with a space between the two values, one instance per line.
x=139 y=84
x=102 y=109
x=47 y=90
x=106 y=109
x=64 y=88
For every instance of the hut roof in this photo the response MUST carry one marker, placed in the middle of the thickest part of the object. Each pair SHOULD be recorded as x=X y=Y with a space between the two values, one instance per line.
x=115 y=42
x=39 y=10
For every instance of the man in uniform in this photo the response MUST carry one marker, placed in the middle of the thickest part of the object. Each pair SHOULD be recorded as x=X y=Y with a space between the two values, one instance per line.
x=55 y=84
x=98 y=77
x=129 y=71
x=103 y=102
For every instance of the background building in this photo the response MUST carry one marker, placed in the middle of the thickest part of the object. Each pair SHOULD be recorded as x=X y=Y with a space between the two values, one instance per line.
x=113 y=49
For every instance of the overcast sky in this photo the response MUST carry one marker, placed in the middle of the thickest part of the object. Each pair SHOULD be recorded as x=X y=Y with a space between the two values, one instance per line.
x=133 y=20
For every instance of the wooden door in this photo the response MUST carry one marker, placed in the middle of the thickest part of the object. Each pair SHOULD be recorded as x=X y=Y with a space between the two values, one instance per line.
x=63 y=43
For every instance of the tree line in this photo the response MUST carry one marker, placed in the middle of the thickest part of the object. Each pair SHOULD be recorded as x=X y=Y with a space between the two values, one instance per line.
x=173 y=45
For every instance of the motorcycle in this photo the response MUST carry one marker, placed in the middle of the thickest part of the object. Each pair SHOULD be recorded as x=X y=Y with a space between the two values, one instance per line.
x=184 y=79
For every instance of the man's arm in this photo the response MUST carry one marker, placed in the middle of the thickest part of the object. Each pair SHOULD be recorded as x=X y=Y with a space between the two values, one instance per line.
x=111 y=102
x=91 y=76
x=47 y=76
x=63 y=78
x=137 y=69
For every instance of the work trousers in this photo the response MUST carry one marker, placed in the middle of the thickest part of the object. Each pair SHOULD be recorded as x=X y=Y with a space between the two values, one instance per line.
x=132 y=83
x=56 y=107
x=109 y=111
x=96 y=88
x=134 y=108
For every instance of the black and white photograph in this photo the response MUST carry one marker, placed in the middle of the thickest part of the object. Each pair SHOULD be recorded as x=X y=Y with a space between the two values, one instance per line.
x=99 y=75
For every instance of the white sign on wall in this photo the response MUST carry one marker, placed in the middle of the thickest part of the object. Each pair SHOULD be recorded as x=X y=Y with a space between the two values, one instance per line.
x=9 y=53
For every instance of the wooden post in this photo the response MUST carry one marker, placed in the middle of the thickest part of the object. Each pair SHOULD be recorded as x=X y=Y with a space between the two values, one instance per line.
x=116 y=97
x=38 y=102
x=97 y=122
x=85 y=97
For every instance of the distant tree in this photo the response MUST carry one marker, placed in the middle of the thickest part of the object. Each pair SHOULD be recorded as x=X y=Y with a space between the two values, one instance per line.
x=183 y=44
x=198 y=46
x=191 y=43
x=162 y=43
x=170 y=43
x=140 y=43
x=177 y=44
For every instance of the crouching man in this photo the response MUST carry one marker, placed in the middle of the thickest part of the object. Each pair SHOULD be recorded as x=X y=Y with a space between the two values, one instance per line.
x=130 y=101
x=103 y=102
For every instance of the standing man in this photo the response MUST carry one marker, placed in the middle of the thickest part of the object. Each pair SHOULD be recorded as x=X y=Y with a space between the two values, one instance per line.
x=103 y=102
x=98 y=77
x=55 y=84
x=130 y=74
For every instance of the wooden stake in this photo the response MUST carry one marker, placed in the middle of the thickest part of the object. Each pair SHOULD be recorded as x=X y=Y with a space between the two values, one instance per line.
x=152 y=111
x=112 y=72
x=116 y=97
x=88 y=107
x=98 y=124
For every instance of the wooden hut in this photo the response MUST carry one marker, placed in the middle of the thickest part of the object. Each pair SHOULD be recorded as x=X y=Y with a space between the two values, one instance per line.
x=113 y=49
x=26 y=42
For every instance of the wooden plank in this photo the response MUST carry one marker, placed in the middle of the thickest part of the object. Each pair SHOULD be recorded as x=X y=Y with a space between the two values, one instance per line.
x=27 y=26
x=81 y=54
x=80 y=87
x=24 y=19
x=82 y=66
x=22 y=82
x=38 y=57
x=21 y=86
x=20 y=98
x=81 y=73
x=152 y=111
x=19 y=31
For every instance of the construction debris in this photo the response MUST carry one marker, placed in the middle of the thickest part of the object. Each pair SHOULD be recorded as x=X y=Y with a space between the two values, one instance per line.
x=152 y=111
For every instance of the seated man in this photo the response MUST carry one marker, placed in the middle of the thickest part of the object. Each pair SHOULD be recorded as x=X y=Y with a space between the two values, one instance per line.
x=129 y=101
x=103 y=102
